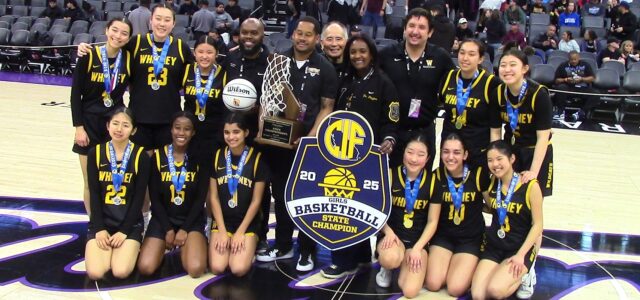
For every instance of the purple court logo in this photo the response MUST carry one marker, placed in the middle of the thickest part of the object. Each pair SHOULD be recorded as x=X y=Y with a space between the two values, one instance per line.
x=338 y=188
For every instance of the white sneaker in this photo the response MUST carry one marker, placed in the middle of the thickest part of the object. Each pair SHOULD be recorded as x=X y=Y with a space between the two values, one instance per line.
x=146 y=217
x=305 y=263
x=383 y=278
x=274 y=254
x=525 y=291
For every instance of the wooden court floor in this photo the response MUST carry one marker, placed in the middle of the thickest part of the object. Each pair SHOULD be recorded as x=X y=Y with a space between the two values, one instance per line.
x=591 y=248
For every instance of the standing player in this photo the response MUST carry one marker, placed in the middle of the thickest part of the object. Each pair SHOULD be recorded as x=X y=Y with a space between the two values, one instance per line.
x=509 y=250
x=469 y=110
x=413 y=220
x=236 y=186
x=178 y=186
x=455 y=248
x=369 y=92
x=99 y=81
x=118 y=172
x=526 y=109
x=203 y=82
x=314 y=83
x=416 y=68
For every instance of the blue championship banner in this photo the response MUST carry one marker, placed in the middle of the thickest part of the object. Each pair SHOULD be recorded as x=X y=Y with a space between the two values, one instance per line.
x=338 y=191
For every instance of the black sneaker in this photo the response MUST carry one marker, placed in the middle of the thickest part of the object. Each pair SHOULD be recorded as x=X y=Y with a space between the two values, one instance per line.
x=263 y=247
x=305 y=263
x=274 y=254
x=334 y=272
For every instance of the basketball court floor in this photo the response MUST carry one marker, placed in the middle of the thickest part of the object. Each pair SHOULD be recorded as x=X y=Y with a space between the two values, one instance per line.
x=591 y=246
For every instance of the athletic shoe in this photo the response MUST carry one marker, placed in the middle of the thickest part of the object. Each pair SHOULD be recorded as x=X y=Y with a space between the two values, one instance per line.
x=577 y=116
x=383 y=278
x=559 y=116
x=274 y=254
x=146 y=217
x=335 y=272
x=525 y=291
x=305 y=263
x=263 y=247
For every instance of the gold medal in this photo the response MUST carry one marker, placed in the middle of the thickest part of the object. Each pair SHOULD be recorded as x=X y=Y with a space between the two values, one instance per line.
x=456 y=219
x=408 y=223
x=459 y=123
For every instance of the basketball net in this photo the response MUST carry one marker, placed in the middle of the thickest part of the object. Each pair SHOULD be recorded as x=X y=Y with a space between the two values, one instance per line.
x=272 y=100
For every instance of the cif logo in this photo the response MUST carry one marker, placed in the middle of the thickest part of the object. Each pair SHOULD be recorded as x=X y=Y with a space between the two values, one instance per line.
x=345 y=138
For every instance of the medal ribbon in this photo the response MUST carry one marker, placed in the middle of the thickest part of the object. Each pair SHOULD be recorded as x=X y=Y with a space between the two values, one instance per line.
x=462 y=95
x=117 y=174
x=158 y=62
x=232 y=180
x=177 y=180
x=502 y=205
x=110 y=85
x=411 y=194
x=512 y=112
x=203 y=95
x=456 y=194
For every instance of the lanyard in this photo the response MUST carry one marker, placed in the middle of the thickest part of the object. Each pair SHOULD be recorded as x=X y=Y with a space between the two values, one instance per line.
x=203 y=95
x=411 y=194
x=502 y=205
x=177 y=180
x=462 y=94
x=158 y=61
x=117 y=174
x=232 y=180
x=456 y=193
x=512 y=111
x=110 y=85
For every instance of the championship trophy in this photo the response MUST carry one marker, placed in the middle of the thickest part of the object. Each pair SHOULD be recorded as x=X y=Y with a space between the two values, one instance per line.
x=281 y=113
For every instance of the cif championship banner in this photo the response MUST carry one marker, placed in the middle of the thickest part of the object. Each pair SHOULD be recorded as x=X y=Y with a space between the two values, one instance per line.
x=338 y=188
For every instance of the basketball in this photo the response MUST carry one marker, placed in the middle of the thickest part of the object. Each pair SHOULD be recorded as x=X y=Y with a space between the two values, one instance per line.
x=239 y=95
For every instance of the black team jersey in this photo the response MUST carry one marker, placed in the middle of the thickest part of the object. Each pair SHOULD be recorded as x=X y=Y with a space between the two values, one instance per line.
x=105 y=213
x=214 y=110
x=163 y=193
x=470 y=213
x=87 y=91
x=420 y=208
x=149 y=106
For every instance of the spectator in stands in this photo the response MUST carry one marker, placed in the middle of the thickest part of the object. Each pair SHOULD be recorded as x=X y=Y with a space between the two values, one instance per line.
x=547 y=41
x=220 y=45
x=576 y=76
x=594 y=8
x=188 y=8
x=538 y=8
x=495 y=30
x=625 y=24
x=628 y=53
x=514 y=14
x=90 y=12
x=234 y=10
x=568 y=44
x=612 y=9
x=171 y=4
x=612 y=52
x=312 y=9
x=590 y=42
x=73 y=12
x=482 y=20
x=570 y=16
x=444 y=32
x=140 y=18
x=558 y=8
x=202 y=20
x=53 y=11
x=372 y=12
x=233 y=42
x=342 y=11
x=462 y=31
x=515 y=35
x=223 y=21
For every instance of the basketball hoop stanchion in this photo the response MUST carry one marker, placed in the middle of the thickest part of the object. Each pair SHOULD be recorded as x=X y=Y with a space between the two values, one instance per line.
x=281 y=113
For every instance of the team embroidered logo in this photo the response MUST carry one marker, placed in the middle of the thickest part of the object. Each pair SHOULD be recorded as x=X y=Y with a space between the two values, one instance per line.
x=338 y=188
x=429 y=62
x=394 y=111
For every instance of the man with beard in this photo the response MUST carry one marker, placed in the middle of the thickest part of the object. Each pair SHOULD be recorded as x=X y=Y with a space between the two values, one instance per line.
x=333 y=40
x=249 y=61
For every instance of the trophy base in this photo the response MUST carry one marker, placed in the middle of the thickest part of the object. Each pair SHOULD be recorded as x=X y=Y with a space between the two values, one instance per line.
x=280 y=132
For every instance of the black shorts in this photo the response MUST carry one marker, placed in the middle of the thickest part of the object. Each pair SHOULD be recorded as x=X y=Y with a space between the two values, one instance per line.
x=155 y=228
x=524 y=157
x=458 y=245
x=498 y=255
x=231 y=228
x=408 y=244
x=96 y=127
x=152 y=136
x=135 y=234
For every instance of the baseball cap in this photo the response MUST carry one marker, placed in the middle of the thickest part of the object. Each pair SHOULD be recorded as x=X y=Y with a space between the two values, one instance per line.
x=462 y=21
x=624 y=4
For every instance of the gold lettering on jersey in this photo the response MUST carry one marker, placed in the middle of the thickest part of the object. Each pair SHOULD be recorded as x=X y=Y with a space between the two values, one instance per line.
x=402 y=202
x=148 y=60
x=466 y=197
x=242 y=180
x=99 y=77
x=513 y=208
x=106 y=176
x=190 y=177
x=451 y=99
x=522 y=118
x=370 y=97
x=191 y=90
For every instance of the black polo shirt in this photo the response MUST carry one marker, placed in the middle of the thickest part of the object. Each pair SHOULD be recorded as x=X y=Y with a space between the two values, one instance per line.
x=314 y=80
x=416 y=80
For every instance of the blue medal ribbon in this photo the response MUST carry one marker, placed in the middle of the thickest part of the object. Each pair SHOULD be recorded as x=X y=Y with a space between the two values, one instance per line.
x=117 y=174
x=177 y=180
x=203 y=95
x=456 y=194
x=110 y=85
x=462 y=95
x=232 y=180
x=503 y=205
x=512 y=111
x=411 y=194
x=158 y=62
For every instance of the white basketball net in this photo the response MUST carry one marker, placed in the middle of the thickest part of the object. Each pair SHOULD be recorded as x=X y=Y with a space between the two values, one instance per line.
x=272 y=100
